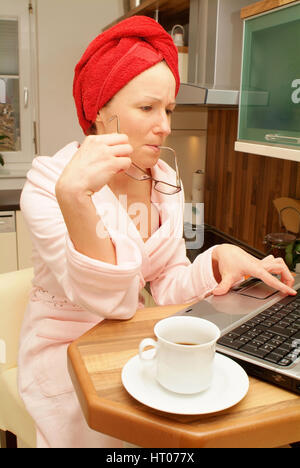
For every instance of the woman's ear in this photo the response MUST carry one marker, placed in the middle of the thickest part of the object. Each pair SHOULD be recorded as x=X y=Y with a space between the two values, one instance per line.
x=99 y=124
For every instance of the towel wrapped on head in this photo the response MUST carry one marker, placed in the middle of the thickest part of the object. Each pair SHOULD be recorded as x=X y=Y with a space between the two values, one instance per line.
x=114 y=58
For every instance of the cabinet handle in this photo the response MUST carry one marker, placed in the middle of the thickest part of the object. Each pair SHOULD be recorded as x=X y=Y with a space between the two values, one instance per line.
x=275 y=138
x=26 y=94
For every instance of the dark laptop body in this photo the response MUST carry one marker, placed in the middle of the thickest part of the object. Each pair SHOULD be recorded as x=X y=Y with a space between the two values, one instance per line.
x=260 y=329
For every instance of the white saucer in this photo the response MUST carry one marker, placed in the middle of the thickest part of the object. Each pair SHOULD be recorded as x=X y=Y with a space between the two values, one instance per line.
x=229 y=386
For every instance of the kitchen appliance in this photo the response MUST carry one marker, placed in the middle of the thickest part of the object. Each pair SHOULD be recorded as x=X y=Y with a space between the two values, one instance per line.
x=215 y=52
x=177 y=34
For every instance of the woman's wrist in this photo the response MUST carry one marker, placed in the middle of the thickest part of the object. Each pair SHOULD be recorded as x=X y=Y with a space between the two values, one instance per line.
x=215 y=263
x=74 y=195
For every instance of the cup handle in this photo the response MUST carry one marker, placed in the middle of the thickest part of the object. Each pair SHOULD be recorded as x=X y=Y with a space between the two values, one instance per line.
x=143 y=344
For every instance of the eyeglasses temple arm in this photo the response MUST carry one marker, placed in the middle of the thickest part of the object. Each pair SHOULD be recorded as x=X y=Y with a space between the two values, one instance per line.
x=118 y=122
x=178 y=180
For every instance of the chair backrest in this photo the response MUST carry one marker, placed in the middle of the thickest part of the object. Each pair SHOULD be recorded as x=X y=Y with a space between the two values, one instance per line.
x=14 y=292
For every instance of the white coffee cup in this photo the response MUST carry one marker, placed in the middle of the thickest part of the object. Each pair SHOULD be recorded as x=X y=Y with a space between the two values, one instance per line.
x=184 y=353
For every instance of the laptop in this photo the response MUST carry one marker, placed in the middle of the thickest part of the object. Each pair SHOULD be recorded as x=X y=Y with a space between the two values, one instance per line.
x=260 y=329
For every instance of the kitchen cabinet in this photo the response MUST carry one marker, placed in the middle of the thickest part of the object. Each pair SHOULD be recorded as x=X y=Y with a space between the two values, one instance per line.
x=15 y=242
x=269 y=113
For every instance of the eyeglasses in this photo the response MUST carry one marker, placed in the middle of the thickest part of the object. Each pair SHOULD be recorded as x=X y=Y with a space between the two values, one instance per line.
x=137 y=173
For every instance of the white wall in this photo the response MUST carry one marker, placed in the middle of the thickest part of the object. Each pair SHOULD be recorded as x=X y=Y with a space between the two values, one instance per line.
x=64 y=30
x=188 y=138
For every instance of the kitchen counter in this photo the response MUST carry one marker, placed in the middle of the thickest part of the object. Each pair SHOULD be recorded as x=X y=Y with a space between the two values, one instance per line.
x=10 y=200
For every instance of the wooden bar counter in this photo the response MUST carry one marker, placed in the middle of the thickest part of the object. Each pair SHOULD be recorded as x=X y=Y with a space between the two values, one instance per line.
x=267 y=417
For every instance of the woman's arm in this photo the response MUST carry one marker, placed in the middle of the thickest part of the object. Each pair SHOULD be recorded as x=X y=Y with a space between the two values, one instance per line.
x=83 y=224
x=216 y=271
x=98 y=159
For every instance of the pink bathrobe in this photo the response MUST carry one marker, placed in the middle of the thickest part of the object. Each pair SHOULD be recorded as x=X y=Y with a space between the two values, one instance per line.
x=71 y=292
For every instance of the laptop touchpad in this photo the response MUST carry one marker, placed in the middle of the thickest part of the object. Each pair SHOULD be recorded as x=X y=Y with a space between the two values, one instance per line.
x=258 y=290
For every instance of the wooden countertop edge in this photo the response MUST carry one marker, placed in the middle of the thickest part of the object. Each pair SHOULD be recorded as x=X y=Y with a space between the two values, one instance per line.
x=133 y=427
x=263 y=6
x=85 y=394
x=237 y=435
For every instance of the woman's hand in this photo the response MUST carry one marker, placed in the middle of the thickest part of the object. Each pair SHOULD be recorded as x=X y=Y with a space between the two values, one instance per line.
x=97 y=160
x=231 y=264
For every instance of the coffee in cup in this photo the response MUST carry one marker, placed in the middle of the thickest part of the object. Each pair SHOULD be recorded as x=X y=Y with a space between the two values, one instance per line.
x=183 y=353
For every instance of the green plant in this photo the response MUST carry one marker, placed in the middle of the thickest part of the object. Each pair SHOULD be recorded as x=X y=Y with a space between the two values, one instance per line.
x=297 y=252
x=292 y=254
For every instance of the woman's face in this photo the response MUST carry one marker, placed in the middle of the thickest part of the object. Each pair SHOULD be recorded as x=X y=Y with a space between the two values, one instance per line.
x=144 y=107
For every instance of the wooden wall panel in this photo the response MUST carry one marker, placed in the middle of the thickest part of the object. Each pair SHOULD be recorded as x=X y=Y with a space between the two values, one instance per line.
x=240 y=188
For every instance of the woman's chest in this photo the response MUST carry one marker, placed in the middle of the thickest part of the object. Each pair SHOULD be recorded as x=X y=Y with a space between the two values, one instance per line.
x=144 y=215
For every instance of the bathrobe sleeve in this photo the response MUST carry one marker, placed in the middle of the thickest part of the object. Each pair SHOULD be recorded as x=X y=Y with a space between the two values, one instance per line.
x=110 y=291
x=183 y=282
x=180 y=281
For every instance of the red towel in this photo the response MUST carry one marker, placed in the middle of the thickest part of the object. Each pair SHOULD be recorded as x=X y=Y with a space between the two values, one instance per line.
x=114 y=58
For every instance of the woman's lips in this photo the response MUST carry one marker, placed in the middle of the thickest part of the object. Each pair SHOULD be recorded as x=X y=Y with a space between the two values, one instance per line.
x=154 y=148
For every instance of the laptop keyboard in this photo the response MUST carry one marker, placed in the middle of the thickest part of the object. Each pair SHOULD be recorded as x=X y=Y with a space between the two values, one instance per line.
x=273 y=335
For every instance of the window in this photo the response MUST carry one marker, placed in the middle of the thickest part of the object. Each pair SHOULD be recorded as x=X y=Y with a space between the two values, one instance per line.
x=16 y=89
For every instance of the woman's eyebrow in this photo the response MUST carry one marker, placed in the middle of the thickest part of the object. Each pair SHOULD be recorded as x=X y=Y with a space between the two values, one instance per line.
x=154 y=98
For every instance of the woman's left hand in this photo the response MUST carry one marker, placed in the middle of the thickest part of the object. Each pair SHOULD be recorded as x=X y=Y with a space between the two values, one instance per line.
x=231 y=264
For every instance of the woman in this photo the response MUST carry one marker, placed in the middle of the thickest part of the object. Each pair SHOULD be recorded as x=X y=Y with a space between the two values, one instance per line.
x=92 y=254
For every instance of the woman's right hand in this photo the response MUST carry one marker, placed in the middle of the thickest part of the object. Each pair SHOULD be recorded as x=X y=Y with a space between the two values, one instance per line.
x=97 y=160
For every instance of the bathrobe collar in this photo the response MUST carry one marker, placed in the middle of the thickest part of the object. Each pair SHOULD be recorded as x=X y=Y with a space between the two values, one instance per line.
x=165 y=238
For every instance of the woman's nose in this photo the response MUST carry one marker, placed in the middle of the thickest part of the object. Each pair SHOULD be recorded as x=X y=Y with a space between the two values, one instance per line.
x=163 y=125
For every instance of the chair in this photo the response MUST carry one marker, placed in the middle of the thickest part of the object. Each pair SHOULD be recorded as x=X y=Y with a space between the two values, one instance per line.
x=14 y=290
x=289 y=214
